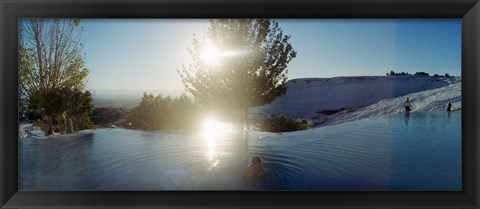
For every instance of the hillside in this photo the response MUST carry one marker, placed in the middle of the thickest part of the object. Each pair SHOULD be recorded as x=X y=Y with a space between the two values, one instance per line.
x=333 y=100
x=429 y=100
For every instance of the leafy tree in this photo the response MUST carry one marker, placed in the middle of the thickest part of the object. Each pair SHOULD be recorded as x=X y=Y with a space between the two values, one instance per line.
x=79 y=107
x=247 y=65
x=159 y=112
x=51 y=64
x=145 y=115
x=184 y=113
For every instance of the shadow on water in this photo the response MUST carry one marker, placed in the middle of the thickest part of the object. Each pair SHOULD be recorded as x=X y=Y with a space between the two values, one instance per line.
x=419 y=151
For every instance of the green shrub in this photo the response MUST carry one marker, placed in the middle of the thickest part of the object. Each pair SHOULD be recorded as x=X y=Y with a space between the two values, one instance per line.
x=282 y=124
x=82 y=122
x=160 y=113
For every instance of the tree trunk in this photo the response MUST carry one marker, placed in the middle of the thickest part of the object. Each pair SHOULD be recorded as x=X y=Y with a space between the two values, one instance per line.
x=50 y=125
x=60 y=125
x=71 y=125
x=65 y=127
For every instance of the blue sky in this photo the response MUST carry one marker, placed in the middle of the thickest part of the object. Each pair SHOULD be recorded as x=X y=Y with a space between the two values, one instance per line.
x=145 y=54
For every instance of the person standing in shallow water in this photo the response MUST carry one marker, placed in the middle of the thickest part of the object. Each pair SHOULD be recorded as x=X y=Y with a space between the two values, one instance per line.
x=449 y=106
x=408 y=106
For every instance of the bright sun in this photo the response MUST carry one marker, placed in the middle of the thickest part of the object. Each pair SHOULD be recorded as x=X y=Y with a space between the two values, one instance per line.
x=210 y=54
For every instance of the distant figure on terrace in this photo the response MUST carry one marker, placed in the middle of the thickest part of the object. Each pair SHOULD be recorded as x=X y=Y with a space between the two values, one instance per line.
x=408 y=106
x=254 y=170
x=449 y=106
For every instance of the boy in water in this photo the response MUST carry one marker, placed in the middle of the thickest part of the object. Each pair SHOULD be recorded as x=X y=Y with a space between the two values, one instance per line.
x=254 y=170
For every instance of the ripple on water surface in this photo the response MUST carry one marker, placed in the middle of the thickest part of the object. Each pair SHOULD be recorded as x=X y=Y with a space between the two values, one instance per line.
x=419 y=152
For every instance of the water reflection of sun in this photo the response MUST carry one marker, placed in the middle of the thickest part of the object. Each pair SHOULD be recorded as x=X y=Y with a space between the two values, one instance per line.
x=209 y=126
x=212 y=133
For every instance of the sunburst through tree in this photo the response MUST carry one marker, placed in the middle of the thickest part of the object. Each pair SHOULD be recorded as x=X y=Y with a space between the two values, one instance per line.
x=242 y=63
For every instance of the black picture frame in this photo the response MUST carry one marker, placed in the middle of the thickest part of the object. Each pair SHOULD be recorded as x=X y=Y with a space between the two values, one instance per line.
x=467 y=10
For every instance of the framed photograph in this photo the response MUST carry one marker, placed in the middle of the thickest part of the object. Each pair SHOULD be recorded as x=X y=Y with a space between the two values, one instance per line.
x=321 y=104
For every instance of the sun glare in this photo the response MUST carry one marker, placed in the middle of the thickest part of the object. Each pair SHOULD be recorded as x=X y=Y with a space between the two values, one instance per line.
x=210 y=132
x=209 y=126
x=210 y=54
